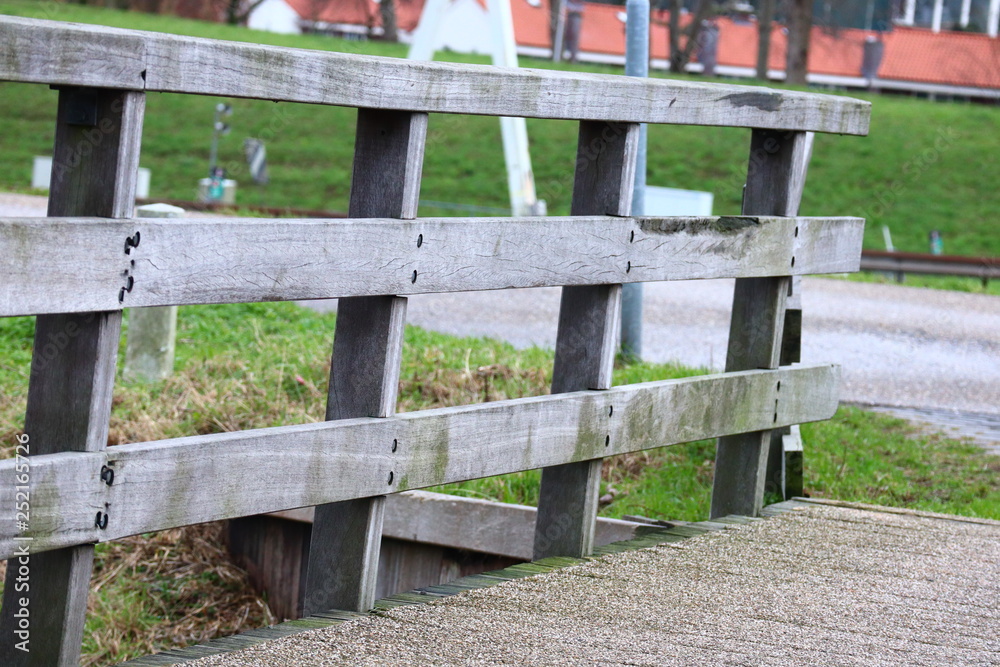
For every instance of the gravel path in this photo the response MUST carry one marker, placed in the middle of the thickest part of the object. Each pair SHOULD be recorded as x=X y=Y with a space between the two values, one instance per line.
x=820 y=586
x=901 y=347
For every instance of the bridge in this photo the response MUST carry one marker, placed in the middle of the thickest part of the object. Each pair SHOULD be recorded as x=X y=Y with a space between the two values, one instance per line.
x=79 y=269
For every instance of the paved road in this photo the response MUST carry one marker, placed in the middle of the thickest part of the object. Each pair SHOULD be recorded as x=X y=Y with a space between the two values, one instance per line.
x=930 y=350
x=899 y=346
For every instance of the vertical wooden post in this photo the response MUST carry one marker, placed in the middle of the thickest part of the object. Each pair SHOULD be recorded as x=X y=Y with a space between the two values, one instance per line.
x=94 y=170
x=364 y=375
x=758 y=318
x=586 y=339
x=784 y=462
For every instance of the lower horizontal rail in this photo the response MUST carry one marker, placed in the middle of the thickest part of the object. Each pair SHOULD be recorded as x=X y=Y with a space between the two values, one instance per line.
x=169 y=483
x=63 y=265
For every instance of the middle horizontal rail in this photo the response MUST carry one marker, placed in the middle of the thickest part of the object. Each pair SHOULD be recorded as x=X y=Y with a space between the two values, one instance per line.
x=169 y=483
x=62 y=265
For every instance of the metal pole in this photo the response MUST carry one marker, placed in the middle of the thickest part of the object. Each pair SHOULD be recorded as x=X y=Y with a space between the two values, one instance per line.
x=636 y=64
x=557 y=38
x=213 y=155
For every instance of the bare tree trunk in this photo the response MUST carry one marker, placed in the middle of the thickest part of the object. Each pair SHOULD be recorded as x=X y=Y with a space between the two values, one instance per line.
x=390 y=31
x=680 y=57
x=765 y=17
x=554 y=7
x=674 y=34
x=238 y=11
x=800 y=16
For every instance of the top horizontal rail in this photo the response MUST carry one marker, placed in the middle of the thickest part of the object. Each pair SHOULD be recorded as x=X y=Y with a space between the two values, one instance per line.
x=56 y=53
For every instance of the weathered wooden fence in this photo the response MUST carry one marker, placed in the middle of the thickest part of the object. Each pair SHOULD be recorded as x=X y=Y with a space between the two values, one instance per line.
x=79 y=268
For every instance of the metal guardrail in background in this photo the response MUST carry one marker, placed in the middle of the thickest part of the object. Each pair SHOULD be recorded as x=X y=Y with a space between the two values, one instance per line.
x=900 y=263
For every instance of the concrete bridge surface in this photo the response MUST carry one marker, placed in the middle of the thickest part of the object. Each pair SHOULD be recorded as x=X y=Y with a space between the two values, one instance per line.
x=817 y=583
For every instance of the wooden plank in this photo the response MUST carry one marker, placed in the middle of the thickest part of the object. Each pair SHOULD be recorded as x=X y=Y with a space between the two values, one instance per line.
x=586 y=340
x=480 y=525
x=178 y=482
x=95 y=164
x=504 y=529
x=774 y=182
x=776 y=480
x=49 y=52
x=364 y=372
x=246 y=260
x=791 y=462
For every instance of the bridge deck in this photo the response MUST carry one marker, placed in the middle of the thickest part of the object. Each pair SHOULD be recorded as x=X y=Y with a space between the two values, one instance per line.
x=816 y=583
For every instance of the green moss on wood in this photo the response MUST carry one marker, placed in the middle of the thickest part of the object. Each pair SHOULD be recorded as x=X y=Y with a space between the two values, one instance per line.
x=729 y=224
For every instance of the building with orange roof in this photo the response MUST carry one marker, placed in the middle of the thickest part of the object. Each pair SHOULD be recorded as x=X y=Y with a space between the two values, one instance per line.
x=904 y=59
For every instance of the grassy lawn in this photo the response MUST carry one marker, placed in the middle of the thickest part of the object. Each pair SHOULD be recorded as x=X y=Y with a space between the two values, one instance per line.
x=926 y=165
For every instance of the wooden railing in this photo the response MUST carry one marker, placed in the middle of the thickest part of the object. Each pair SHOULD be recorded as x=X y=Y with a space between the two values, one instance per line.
x=77 y=270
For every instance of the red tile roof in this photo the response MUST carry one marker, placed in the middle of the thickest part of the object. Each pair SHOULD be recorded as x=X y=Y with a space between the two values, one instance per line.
x=911 y=54
x=956 y=58
x=357 y=12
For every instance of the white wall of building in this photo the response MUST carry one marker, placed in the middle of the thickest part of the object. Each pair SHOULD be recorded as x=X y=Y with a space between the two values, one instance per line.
x=275 y=16
x=465 y=28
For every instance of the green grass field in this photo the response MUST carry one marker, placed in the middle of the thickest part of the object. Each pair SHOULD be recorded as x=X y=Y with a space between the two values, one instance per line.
x=926 y=165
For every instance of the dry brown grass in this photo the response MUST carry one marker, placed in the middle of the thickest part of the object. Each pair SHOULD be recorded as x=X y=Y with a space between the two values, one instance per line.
x=184 y=590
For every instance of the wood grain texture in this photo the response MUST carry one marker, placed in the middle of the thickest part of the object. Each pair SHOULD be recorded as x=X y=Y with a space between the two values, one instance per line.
x=73 y=369
x=605 y=168
x=586 y=340
x=774 y=187
x=246 y=260
x=801 y=147
x=756 y=323
x=343 y=556
x=567 y=510
x=178 y=482
x=774 y=175
x=367 y=350
x=388 y=162
x=95 y=167
x=586 y=337
x=49 y=52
